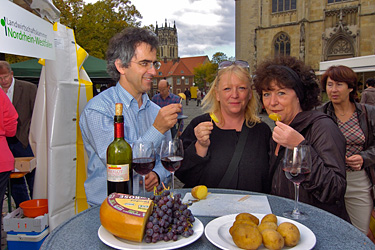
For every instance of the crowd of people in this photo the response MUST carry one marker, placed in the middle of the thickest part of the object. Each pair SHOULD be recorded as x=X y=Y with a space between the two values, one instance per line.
x=236 y=150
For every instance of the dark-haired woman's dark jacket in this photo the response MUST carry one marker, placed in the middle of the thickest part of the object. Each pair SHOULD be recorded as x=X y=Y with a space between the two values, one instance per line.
x=368 y=128
x=325 y=186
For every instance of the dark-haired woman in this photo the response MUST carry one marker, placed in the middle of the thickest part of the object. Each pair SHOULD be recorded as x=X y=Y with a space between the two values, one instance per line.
x=289 y=88
x=356 y=122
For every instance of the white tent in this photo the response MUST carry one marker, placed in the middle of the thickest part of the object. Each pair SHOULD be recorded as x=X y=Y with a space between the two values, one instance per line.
x=357 y=64
x=63 y=91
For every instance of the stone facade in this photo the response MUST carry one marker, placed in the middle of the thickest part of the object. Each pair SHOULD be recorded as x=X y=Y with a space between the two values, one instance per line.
x=313 y=31
x=168 y=41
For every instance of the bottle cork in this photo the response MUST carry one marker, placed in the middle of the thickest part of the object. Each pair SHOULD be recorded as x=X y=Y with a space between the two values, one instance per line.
x=118 y=109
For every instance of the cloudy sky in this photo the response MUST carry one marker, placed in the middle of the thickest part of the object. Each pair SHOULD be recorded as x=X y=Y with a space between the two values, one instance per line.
x=204 y=26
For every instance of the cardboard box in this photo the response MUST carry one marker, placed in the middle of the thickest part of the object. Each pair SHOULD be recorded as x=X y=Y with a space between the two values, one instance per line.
x=24 y=164
x=29 y=241
x=16 y=222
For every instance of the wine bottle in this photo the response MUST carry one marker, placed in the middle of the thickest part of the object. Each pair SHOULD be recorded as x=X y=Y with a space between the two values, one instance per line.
x=119 y=159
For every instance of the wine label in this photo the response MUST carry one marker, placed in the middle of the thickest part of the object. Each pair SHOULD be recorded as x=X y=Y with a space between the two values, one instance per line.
x=118 y=173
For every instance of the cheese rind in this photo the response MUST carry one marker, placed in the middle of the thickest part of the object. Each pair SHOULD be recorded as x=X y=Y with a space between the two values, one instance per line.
x=125 y=216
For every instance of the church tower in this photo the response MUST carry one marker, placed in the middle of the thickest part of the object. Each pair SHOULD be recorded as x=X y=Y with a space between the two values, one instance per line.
x=168 y=41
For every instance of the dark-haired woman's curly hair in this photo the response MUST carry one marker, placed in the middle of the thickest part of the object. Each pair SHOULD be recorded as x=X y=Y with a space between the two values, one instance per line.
x=268 y=72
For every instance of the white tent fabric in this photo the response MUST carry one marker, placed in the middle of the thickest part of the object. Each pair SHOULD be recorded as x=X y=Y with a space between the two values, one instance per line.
x=53 y=133
x=357 y=64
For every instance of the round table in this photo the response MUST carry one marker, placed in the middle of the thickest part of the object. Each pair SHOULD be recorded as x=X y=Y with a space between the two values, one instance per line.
x=81 y=231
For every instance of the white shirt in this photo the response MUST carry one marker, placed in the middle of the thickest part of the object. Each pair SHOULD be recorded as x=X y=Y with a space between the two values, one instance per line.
x=11 y=91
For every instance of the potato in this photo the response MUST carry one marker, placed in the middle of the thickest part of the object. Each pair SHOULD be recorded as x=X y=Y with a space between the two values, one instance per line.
x=290 y=233
x=267 y=225
x=247 y=237
x=241 y=222
x=269 y=217
x=246 y=216
x=199 y=192
x=272 y=239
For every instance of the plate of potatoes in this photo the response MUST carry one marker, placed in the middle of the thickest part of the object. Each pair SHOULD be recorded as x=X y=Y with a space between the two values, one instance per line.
x=259 y=231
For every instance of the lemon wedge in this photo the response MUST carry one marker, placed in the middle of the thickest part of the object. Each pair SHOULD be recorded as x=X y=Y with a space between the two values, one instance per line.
x=275 y=117
x=182 y=95
x=214 y=118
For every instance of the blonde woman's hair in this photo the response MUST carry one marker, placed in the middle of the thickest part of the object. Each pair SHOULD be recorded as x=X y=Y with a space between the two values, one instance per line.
x=211 y=105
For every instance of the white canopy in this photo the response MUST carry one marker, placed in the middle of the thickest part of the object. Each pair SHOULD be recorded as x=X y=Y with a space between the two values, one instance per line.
x=357 y=64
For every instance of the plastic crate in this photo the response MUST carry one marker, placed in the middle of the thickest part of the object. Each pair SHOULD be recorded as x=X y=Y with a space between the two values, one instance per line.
x=15 y=221
x=24 y=240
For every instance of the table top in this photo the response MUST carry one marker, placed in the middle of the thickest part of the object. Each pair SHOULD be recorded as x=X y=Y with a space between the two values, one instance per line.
x=81 y=231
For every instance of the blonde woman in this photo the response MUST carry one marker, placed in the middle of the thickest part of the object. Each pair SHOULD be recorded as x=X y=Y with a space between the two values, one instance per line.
x=212 y=143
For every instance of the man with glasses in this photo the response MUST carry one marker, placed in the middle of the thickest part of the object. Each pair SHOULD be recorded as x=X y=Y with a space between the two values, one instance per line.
x=164 y=98
x=132 y=63
x=22 y=94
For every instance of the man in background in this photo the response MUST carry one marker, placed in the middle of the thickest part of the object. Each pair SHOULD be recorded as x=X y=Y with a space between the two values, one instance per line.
x=188 y=96
x=22 y=94
x=368 y=95
x=164 y=98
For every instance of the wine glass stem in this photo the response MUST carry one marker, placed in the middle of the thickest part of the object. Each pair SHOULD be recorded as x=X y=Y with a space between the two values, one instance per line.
x=296 y=198
x=172 y=182
x=143 y=186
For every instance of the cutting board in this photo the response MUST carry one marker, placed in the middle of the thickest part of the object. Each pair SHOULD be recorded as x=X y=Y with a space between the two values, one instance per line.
x=223 y=204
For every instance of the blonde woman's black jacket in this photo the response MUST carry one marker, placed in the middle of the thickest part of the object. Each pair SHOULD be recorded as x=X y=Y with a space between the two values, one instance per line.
x=325 y=186
x=368 y=128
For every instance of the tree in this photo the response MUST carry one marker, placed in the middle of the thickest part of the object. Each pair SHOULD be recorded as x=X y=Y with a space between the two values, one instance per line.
x=205 y=73
x=218 y=57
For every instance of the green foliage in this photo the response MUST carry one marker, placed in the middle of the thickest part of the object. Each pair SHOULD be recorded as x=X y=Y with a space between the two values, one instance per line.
x=218 y=57
x=205 y=73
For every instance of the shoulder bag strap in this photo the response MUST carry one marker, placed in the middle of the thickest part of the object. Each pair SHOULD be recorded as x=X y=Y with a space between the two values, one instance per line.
x=235 y=158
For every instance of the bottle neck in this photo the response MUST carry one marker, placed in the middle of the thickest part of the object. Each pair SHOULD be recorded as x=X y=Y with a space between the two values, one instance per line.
x=119 y=126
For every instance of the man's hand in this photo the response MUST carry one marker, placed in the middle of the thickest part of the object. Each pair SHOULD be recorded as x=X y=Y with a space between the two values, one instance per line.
x=151 y=181
x=167 y=117
x=286 y=136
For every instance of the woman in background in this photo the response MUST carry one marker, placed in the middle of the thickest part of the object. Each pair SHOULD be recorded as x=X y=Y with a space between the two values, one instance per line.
x=289 y=88
x=356 y=122
x=8 y=128
x=210 y=145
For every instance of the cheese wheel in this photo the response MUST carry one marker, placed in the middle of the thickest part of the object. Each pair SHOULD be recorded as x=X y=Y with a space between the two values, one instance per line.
x=125 y=216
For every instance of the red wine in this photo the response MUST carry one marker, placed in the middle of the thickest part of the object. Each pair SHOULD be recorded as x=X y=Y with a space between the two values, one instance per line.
x=119 y=159
x=172 y=163
x=143 y=166
x=298 y=176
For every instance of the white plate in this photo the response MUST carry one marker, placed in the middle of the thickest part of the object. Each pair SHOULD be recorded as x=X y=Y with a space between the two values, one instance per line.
x=217 y=232
x=115 y=242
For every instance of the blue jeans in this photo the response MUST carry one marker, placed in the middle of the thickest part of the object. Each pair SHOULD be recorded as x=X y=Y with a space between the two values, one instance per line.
x=22 y=188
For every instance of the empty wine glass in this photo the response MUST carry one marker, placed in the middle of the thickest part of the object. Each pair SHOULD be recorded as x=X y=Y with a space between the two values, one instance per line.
x=143 y=160
x=171 y=155
x=297 y=164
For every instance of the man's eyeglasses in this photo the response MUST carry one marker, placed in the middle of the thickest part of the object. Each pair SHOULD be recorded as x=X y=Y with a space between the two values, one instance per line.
x=4 y=78
x=149 y=64
x=240 y=63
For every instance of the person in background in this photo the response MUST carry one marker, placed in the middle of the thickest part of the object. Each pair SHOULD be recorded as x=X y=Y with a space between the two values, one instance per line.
x=368 y=95
x=210 y=145
x=289 y=88
x=199 y=97
x=164 y=98
x=8 y=128
x=356 y=122
x=188 y=96
x=22 y=94
x=132 y=62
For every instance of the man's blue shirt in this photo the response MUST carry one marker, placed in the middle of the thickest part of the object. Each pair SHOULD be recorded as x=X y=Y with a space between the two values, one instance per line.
x=96 y=123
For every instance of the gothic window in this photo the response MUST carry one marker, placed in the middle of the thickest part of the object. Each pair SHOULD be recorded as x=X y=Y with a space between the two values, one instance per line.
x=341 y=48
x=282 y=45
x=162 y=52
x=284 y=5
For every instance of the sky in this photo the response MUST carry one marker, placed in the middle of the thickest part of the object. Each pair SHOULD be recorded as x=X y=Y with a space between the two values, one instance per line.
x=204 y=27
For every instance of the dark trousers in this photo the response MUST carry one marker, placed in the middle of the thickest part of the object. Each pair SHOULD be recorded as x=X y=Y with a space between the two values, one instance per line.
x=22 y=188
x=4 y=178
